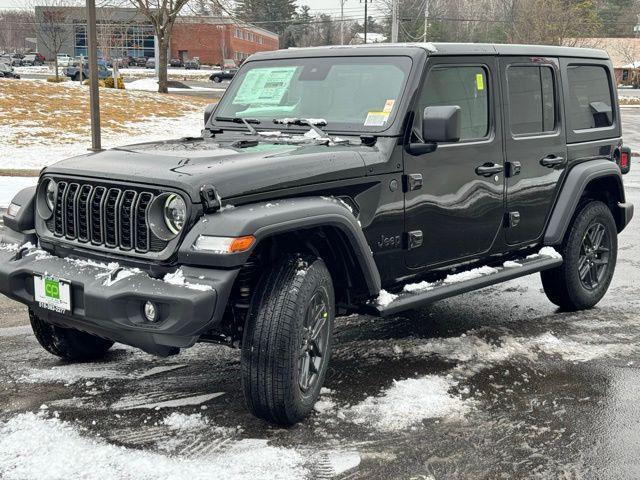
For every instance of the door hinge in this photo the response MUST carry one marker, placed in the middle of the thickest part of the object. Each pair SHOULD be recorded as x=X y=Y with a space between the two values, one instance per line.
x=512 y=219
x=412 y=181
x=513 y=169
x=414 y=239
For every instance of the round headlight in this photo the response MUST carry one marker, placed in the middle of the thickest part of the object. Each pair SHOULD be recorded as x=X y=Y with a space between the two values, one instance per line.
x=175 y=213
x=50 y=194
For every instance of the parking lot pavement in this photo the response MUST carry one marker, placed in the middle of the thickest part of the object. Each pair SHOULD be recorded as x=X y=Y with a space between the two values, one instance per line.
x=492 y=384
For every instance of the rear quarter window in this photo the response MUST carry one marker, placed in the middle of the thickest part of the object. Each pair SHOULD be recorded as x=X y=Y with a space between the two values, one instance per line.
x=589 y=102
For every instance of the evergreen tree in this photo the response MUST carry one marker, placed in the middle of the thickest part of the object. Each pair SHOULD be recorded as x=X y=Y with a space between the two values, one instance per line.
x=274 y=15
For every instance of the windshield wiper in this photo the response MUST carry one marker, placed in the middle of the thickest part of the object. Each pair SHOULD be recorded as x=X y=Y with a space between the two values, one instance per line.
x=314 y=123
x=246 y=121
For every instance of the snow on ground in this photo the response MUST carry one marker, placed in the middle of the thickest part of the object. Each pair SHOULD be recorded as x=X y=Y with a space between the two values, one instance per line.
x=33 y=446
x=55 y=124
x=409 y=402
x=9 y=186
x=151 y=85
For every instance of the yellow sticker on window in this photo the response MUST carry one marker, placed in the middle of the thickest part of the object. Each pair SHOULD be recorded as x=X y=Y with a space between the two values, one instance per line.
x=480 y=81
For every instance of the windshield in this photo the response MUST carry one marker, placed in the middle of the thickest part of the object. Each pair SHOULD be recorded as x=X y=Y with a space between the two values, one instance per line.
x=349 y=93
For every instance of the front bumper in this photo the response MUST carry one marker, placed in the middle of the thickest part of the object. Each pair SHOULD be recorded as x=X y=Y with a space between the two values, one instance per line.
x=108 y=303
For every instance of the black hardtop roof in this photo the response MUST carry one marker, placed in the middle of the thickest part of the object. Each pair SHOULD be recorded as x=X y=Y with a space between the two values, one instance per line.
x=434 y=49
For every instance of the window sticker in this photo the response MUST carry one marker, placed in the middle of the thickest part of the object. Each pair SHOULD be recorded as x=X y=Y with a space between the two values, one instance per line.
x=264 y=86
x=479 y=81
x=388 y=106
x=376 y=119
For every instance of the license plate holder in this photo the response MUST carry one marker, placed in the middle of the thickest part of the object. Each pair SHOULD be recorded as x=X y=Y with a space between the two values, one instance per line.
x=52 y=293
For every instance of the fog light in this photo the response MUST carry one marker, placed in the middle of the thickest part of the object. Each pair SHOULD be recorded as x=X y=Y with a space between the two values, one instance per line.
x=150 y=311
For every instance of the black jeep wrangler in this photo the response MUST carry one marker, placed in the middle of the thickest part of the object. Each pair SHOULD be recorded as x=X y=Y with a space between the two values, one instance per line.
x=368 y=179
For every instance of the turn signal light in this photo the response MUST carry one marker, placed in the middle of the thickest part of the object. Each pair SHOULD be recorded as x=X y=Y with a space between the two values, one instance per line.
x=224 y=245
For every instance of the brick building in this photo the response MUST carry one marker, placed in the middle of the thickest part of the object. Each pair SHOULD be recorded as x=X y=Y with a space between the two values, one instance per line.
x=214 y=39
x=126 y=32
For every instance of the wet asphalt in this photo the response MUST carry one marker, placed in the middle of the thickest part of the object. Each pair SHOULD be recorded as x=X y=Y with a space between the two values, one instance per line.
x=547 y=394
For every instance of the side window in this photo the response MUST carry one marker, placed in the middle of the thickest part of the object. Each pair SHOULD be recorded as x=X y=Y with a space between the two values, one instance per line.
x=465 y=87
x=589 y=98
x=531 y=100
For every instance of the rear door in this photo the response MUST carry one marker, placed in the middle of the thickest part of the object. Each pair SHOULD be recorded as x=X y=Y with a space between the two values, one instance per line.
x=535 y=145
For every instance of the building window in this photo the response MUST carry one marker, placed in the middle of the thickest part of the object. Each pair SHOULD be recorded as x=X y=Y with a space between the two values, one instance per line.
x=238 y=33
x=260 y=40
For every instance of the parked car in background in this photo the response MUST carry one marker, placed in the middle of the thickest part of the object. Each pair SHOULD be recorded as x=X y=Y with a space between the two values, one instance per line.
x=176 y=63
x=6 y=71
x=120 y=62
x=229 y=63
x=140 y=62
x=151 y=63
x=33 y=60
x=16 y=59
x=223 y=74
x=64 y=60
x=73 y=72
x=192 y=64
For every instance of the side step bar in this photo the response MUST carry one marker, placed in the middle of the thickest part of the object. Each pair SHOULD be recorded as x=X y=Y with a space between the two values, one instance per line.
x=442 y=289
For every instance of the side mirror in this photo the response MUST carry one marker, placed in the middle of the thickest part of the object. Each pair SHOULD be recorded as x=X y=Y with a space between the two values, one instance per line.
x=441 y=124
x=208 y=111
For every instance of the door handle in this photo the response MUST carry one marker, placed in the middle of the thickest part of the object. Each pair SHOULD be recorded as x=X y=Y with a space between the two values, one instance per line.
x=552 y=161
x=488 y=169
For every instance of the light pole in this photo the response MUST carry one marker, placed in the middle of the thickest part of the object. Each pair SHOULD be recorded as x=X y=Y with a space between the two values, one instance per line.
x=94 y=94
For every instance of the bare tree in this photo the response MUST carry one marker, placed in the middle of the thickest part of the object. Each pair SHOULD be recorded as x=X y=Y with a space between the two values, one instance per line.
x=15 y=26
x=162 y=14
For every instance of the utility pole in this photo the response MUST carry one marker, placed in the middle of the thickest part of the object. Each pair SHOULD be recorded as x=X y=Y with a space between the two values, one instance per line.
x=94 y=98
x=426 y=18
x=394 y=21
x=366 y=18
x=342 y=2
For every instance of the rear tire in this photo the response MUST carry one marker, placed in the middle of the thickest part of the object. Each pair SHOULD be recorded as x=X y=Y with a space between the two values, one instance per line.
x=68 y=343
x=287 y=340
x=217 y=79
x=589 y=250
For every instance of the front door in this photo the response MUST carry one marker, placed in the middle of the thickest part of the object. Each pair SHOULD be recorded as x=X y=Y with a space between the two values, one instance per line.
x=459 y=207
x=535 y=144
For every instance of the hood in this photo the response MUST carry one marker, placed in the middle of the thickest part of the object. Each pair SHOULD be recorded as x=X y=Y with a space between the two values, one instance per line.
x=188 y=164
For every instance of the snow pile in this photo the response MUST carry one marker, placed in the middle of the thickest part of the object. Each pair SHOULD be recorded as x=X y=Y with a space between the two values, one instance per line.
x=469 y=274
x=418 y=287
x=180 y=421
x=120 y=275
x=32 y=446
x=409 y=402
x=385 y=298
x=177 y=278
x=545 y=252
x=72 y=373
x=511 y=264
x=144 y=84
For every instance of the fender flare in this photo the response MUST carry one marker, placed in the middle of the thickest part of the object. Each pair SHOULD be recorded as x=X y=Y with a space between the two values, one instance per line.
x=267 y=219
x=572 y=189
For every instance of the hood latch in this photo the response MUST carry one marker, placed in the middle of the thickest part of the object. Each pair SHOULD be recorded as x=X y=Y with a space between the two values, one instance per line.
x=211 y=200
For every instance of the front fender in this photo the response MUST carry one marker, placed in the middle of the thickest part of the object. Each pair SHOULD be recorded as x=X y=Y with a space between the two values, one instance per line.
x=266 y=219
x=24 y=220
x=575 y=184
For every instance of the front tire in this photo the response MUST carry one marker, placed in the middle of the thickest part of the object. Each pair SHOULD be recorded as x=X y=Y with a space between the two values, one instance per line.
x=590 y=251
x=287 y=340
x=217 y=79
x=68 y=343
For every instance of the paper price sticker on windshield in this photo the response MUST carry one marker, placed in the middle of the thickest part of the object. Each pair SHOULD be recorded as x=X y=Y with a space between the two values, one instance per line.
x=376 y=119
x=388 y=106
x=264 y=86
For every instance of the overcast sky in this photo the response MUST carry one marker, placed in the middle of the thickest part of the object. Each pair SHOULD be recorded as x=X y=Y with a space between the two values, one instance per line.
x=353 y=8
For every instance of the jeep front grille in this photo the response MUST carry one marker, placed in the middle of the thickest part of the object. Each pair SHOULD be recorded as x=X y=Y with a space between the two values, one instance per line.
x=114 y=217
